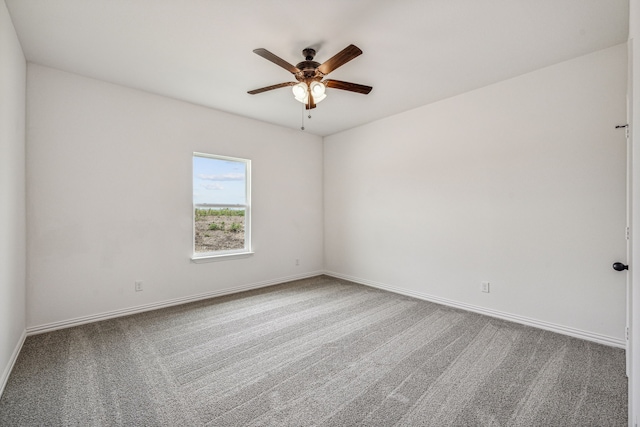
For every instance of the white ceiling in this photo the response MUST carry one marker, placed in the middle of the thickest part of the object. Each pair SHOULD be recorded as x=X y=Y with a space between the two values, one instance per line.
x=415 y=51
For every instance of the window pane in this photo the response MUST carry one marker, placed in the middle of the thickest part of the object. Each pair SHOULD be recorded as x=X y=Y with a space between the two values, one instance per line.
x=220 y=200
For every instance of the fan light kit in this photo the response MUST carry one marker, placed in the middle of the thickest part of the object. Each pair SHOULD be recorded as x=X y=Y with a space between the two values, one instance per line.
x=310 y=88
x=301 y=92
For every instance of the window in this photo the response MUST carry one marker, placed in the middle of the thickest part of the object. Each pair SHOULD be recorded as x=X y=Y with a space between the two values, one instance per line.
x=221 y=206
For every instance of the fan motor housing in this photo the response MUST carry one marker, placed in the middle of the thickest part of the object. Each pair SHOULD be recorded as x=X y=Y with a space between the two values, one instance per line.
x=308 y=69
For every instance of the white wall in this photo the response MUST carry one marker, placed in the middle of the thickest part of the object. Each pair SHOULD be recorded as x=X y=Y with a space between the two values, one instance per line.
x=521 y=183
x=12 y=194
x=109 y=198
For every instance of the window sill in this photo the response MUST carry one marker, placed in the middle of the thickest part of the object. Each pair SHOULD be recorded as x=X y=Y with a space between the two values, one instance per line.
x=222 y=257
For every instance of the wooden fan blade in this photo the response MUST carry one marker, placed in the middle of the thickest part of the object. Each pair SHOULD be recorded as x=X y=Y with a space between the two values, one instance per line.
x=341 y=58
x=264 y=89
x=276 y=60
x=352 y=87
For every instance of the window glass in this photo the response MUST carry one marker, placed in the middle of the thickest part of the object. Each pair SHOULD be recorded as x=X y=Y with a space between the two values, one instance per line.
x=221 y=205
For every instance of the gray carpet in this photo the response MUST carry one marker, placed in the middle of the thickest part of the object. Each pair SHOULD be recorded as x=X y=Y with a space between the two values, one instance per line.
x=319 y=351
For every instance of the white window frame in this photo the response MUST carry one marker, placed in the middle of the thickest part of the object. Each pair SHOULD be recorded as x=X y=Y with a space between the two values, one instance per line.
x=232 y=253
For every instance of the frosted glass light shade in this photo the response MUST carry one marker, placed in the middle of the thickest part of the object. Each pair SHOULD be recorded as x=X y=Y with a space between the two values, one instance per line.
x=301 y=92
x=317 y=90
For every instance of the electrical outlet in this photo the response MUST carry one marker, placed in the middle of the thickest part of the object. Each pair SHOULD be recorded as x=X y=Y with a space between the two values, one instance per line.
x=484 y=287
x=297 y=261
x=138 y=285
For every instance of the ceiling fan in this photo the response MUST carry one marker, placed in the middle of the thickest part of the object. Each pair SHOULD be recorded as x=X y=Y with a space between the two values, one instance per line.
x=310 y=88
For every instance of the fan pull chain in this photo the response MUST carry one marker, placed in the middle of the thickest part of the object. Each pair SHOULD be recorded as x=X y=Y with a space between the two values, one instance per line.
x=302 y=118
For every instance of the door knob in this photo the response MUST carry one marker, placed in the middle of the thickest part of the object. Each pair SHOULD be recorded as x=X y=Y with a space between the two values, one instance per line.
x=618 y=266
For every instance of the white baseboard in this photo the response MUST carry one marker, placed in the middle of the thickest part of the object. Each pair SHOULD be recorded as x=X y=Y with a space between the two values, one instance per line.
x=12 y=361
x=33 y=330
x=565 y=330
